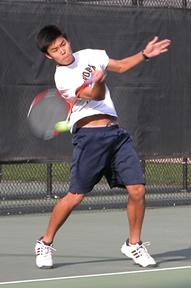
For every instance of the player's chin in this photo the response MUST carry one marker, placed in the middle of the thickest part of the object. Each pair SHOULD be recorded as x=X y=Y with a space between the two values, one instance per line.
x=66 y=61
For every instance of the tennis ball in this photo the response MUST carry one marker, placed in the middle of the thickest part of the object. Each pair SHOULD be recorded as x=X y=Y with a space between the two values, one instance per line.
x=62 y=126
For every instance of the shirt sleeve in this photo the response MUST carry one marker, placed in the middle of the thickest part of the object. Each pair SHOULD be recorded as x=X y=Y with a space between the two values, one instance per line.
x=100 y=58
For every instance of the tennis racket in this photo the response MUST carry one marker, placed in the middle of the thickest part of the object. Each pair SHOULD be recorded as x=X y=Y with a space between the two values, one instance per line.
x=49 y=113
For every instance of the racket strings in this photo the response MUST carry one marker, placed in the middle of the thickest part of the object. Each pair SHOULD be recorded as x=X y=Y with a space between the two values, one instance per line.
x=45 y=114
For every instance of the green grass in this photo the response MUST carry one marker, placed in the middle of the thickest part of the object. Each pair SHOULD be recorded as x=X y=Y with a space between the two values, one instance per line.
x=168 y=173
x=35 y=172
x=155 y=172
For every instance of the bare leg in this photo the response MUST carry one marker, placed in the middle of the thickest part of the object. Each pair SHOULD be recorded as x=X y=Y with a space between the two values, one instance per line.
x=60 y=213
x=135 y=211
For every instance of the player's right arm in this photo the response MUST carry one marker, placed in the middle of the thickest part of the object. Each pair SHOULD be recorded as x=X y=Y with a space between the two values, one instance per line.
x=126 y=64
x=97 y=92
x=152 y=49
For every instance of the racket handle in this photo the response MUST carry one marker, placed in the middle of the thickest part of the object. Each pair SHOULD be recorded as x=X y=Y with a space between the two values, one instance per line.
x=90 y=80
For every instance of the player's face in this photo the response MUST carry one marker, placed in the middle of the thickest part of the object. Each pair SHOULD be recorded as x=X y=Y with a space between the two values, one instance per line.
x=60 y=51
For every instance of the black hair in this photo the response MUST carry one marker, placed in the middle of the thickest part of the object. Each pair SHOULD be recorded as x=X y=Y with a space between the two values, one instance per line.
x=47 y=35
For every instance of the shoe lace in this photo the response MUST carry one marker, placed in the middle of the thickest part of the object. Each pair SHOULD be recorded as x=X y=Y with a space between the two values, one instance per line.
x=142 y=250
x=45 y=250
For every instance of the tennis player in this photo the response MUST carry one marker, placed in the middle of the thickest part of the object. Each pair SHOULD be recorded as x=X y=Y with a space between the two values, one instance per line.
x=101 y=147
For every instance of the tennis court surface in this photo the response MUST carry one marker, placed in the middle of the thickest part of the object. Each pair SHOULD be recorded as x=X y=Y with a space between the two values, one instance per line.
x=88 y=250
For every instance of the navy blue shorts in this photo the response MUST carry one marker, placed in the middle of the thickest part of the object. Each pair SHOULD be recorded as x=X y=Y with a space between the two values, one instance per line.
x=103 y=151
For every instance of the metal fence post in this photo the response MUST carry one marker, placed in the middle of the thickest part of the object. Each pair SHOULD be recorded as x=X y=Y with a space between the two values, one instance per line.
x=49 y=181
x=185 y=170
x=184 y=3
x=49 y=194
x=1 y=172
x=134 y=2
x=143 y=166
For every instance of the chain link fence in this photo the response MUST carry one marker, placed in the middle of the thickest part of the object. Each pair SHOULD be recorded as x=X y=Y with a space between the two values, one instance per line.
x=141 y=3
x=37 y=187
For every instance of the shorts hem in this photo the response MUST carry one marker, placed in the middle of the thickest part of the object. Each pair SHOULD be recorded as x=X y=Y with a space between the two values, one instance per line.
x=79 y=192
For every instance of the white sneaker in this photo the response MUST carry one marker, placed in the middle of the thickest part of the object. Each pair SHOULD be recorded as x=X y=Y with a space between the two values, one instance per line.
x=138 y=253
x=44 y=254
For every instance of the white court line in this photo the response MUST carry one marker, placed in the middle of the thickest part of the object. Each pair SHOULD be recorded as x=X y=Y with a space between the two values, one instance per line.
x=95 y=275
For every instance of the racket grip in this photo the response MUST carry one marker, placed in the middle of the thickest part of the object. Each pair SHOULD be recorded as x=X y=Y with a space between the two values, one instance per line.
x=90 y=80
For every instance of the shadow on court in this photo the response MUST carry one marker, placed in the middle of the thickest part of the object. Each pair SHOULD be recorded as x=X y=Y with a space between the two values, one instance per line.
x=171 y=256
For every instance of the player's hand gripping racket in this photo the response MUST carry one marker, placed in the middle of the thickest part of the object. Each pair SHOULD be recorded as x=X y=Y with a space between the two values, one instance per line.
x=49 y=109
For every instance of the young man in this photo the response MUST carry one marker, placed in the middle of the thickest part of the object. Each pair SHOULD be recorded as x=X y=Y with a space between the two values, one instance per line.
x=100 y=146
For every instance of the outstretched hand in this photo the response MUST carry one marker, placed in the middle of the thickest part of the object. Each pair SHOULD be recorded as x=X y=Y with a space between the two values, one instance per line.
x=155 y=48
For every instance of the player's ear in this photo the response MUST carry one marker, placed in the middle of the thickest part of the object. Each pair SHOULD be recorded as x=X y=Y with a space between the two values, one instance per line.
x=48 y=56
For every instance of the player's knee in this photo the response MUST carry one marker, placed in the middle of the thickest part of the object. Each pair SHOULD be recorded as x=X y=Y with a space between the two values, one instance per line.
x=136 y=192
x=75 y=198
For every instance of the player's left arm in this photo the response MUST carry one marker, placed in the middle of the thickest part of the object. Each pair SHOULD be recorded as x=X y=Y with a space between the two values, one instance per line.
x=152 y=49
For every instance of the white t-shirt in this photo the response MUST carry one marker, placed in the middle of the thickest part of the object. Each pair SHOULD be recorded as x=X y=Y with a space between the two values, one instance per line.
x=69 y=78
